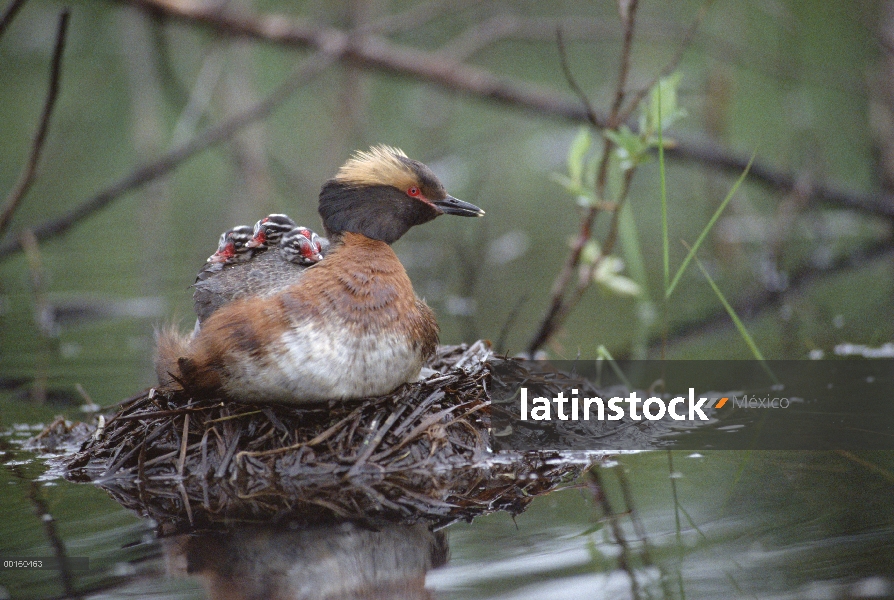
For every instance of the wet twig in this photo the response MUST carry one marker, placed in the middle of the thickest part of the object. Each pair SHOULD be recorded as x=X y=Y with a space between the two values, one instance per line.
x=42 y=510
x=26 y=178
x=639 y=528
x=625 y=562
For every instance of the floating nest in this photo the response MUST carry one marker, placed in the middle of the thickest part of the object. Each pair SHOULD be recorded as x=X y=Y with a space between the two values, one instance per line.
x=422 y=452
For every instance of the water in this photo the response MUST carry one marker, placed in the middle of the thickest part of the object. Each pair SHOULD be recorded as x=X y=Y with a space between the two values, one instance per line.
x=760 y=524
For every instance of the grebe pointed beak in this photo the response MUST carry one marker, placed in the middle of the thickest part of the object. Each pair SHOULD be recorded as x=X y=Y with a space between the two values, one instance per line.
x=453 y=206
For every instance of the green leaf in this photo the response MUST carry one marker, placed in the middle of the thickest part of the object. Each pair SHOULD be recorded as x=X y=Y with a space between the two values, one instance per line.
x=583 y=194
x=590 y=252
x=590 y=174
x=662 y=110
x=620 y=285
x=630 y=148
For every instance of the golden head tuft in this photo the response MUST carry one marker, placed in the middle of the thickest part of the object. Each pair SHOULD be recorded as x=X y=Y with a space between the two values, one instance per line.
x=380 y=165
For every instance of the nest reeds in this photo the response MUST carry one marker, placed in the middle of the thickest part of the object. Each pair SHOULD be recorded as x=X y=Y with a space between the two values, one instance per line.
x=421 y=452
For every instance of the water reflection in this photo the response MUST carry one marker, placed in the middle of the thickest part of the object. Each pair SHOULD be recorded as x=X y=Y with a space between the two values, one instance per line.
x=762 y=525
x=342 y=561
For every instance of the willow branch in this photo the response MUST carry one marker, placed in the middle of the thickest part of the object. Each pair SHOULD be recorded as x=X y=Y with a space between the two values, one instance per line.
x=30 y=171
x=368 y=51
x=377 y=53
x=562 y=300
x=672 y=64
x=572 y=82
x=628 y=16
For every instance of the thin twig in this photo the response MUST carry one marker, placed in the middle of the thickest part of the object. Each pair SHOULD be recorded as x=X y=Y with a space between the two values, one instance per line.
x=42 y=511
x=9 y=14
x=572 y=82
x=508 y=26
x=560 y=304
x=172 y=88
x=628 y=16
x=377 y=53
x=509 y=323
x=183 y=439
x=645 y=550
x=310 y=68
x=671 y=65
x=752 y=305
x=376 y=440
x=586 y=278
x=28 y=173
x=625 y=557
x=611 y=238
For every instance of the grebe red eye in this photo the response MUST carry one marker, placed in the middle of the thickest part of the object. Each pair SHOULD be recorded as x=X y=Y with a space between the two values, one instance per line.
x=413 y=191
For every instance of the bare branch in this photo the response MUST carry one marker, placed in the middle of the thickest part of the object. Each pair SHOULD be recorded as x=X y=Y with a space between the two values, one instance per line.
x=378 y=53
x=569 y=77
x=628 y=17
x=509 y=26
x=562 y=300
x=672 y=64
x=27 y=177
x=706 y=152
x=310 y=68
x=752 y=305
x=370 y=52
x=9 y=14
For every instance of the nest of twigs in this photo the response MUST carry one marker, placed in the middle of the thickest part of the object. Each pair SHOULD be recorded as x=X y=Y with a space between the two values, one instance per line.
x=421 y=452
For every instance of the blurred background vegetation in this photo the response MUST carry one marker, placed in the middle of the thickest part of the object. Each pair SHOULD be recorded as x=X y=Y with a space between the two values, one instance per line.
x=803 y=250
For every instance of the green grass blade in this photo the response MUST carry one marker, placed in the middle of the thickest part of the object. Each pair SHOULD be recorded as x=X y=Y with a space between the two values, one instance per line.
x=736 y=320
x=730 y=311
x=670 y=289
x=661 y=175
x=603 y=354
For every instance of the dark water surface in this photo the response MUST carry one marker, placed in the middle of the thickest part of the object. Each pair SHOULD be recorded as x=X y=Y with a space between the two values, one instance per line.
x=760 y=524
